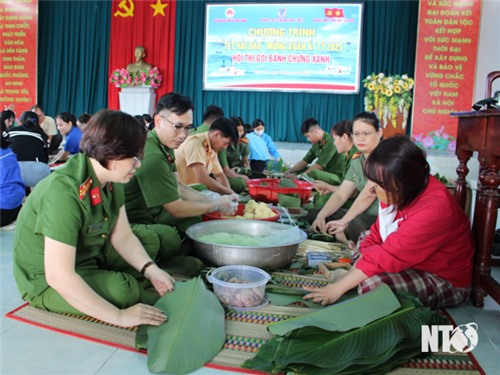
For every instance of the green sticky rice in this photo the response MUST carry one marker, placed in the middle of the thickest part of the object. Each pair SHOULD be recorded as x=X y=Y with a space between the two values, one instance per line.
x=232 y=239
x=276 y=237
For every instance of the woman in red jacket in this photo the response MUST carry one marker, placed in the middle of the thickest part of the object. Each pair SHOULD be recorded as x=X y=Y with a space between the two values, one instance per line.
x=421 y=242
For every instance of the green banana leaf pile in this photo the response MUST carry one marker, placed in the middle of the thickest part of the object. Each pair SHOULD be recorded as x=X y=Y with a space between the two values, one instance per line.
x=275 y=166
x=370 y=334
x=290 y=200
x=287 y=183
x=193 y=334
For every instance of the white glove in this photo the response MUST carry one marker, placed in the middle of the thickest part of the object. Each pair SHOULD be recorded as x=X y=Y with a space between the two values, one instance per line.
x=189 y=194
x=227 y=204
x=210 y=195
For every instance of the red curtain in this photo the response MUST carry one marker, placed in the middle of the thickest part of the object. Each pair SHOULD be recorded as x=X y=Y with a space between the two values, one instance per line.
x=148 y=23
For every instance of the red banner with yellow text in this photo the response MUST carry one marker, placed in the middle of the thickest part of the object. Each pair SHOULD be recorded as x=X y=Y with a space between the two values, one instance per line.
x=18 y=51
x=147 y=23
x=448 y=32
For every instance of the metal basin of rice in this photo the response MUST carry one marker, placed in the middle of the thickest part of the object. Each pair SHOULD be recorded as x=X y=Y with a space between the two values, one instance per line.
x=268 y=257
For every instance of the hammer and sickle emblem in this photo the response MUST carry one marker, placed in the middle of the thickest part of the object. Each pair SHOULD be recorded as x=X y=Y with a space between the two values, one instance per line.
x=128 y=9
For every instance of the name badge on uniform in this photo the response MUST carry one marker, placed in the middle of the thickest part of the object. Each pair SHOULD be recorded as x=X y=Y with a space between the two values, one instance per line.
x=94 y=228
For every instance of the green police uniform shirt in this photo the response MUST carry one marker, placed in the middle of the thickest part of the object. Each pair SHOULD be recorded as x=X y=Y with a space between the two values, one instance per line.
x=346 y=160
x=154 y=183
x=68 y=206
x=355 y=174
x=231 y=156
x=326 y=153
x=201 y=129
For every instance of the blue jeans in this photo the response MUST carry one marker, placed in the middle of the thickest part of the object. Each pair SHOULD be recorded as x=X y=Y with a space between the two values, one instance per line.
x=32 y=172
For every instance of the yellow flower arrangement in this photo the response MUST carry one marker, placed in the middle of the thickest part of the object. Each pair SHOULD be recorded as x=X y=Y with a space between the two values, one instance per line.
x=386 y=95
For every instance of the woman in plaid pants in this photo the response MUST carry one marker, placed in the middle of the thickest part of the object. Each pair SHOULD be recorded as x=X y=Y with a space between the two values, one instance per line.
x=421 y=242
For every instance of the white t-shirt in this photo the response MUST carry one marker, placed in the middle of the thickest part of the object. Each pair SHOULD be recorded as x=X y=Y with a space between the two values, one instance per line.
x=49 y=126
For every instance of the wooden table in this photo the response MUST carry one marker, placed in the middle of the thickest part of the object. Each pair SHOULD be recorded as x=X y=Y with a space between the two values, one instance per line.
x=480 y=131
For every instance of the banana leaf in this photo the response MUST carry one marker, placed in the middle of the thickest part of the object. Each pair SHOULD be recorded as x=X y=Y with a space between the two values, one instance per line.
x=375 y=348
x=275 y=166
x=287 y=183
x=184 y=266
x=282 y=296
x=193 y=334
x=289 y=201
x=402 y=354
x=344 y=316
x=287 y=299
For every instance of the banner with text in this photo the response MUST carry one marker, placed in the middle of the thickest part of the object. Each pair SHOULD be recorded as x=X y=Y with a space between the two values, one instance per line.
x=283 y=47
x=18 y=48
x=448 y=33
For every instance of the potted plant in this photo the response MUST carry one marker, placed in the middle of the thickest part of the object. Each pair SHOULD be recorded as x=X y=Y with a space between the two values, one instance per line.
x=390 y=98
x=126 y=78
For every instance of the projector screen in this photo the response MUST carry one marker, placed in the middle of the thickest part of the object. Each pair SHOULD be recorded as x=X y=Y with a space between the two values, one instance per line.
x=282 y=47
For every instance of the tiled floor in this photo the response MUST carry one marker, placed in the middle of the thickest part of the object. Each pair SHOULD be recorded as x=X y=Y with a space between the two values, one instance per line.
x=27 y=349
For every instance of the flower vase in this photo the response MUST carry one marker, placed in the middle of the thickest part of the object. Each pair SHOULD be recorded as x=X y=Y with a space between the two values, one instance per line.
x=393 y=125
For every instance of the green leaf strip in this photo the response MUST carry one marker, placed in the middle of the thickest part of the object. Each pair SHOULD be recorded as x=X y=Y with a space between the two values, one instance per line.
x=353 y=313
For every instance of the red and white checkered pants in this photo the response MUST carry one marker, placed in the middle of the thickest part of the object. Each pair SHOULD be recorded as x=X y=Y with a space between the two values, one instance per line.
x=432 y=290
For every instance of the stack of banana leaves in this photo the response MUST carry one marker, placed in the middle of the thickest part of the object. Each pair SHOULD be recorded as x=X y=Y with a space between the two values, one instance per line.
x=275 y=166
x=369 y=334
x=289 y=200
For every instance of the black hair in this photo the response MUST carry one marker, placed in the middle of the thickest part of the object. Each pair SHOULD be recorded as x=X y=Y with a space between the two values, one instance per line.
x=84 y=118
x=248 y=128
x=212 y=112
x=147 y=117
x=342 y=127
x=113 y=135
x=368 y=118
x=139 y=119
x=257 y=122
x=226 y=127
x=5 y=139
x=7 y=115
x=238 y=121
x=307 y=124
x=67 y=117
x=399 y=167
x=29 y=117
x=175 y=103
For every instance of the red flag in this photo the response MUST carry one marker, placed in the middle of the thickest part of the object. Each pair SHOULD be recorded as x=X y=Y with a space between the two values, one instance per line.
x=334 y=12
x=147 y=23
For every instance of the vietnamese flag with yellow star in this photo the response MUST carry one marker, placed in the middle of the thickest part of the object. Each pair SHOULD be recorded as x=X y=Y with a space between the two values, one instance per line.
x=147 y=23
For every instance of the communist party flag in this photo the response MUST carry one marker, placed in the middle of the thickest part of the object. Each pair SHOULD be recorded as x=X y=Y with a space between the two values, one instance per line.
x=334 y=12
x=147 y=23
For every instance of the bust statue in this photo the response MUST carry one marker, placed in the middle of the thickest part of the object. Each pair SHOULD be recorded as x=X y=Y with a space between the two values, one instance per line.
x=139 y=64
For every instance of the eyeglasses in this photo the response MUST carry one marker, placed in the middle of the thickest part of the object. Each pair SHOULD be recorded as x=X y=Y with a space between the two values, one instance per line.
x=179 y=127
x=362 y=134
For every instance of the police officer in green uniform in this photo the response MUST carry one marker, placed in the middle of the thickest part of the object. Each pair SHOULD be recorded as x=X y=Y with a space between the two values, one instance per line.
x=234 y=159
x=366 y=134
x=154 y=198
x=323 y=149
x=74 y=251
x=212 y=113
x=325 y=186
